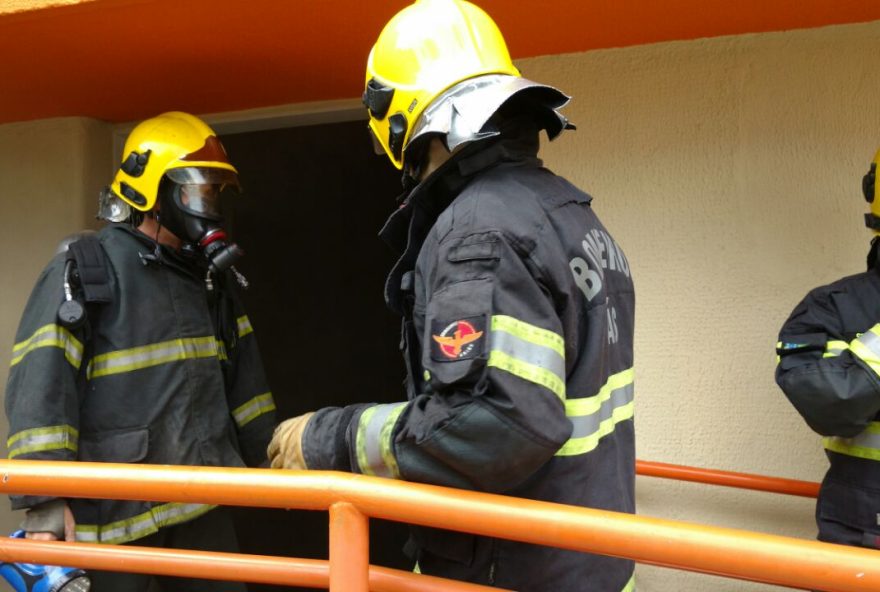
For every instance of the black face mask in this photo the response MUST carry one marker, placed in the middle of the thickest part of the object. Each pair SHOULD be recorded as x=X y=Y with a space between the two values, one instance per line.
x=192 y=213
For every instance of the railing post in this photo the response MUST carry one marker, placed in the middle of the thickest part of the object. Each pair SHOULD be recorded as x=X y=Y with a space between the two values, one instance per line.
x=349 y=549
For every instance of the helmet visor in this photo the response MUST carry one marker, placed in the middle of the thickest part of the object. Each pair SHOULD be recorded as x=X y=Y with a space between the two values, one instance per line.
x=202 y=189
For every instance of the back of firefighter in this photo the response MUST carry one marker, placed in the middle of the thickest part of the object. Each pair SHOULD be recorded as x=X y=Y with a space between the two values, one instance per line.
x=829 y=368
x=164 y=367
x=517 y=309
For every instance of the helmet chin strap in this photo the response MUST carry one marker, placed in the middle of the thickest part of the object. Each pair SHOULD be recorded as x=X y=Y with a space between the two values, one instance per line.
x=156 y=255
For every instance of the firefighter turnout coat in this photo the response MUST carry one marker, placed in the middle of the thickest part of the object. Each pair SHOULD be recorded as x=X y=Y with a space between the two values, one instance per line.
x=165 y=373
x=517 y=310
x=829 y=368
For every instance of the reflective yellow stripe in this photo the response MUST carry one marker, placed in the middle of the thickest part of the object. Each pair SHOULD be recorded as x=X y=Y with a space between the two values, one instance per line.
x=867 y=347
x=375 y=454
x=244 y=326
x=595 y=417
x=630 y=585
x=835 y=348
x=528 y=372
x=254 y=408
x=528 y=352
x=50 y=336
x=136 y=527
x=529 y=333
x=865 y=445
x=155 y=354
x=60 y=437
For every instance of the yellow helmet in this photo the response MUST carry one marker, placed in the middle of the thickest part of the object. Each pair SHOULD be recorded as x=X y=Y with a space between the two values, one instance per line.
x=172 y=141
x=424 y=50
x=869 y=188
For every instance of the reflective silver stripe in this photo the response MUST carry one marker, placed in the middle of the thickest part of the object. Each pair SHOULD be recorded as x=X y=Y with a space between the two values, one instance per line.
x=589 y=424
x=244 y=326
x=528 y=352
x=136 y=527
x=374 y=454
x=865 y=445
x=254 y=408
x=867 y=347
x=62 y=437
x=595 y=417
x=522 y=350
x=50 y=336
x=146 y=356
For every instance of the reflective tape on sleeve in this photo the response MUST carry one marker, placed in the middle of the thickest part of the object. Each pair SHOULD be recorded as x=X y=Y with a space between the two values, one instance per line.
x=50 y=336
x=865 y=445
x=595 y=417
x=528 y=352
x=244 y=326
x=141 y=525
x=375 y=454
x=867 y=348
x=254 y=408
x=59 y=437
x=834 y=348
x=146 y=356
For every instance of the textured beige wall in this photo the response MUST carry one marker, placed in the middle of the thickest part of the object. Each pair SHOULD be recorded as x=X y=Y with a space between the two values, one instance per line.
x=50 y=174
x=730 y=171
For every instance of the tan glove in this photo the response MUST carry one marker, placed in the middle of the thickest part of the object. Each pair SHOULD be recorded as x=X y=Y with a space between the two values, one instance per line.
x=285 y=449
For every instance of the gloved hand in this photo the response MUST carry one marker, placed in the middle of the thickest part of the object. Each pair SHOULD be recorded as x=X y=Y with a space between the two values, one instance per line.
x=49 y=521
x=285 y=449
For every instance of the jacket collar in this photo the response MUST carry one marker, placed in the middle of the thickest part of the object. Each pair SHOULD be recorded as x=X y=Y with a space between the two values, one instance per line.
x=407 y=228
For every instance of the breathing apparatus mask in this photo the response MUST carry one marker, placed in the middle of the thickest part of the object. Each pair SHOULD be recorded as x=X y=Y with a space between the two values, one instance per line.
x=190 y=207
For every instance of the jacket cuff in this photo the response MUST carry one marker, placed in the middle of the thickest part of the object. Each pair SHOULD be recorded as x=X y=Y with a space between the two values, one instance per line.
x=324 y=443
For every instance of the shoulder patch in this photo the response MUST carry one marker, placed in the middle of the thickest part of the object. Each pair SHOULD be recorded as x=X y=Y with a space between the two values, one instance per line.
x=461 y=339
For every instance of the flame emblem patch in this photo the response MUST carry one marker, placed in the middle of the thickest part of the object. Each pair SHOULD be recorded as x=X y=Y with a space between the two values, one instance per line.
x=458 y=340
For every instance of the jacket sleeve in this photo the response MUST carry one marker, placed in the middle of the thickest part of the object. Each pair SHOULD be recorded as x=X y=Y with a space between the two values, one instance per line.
x=42 y=401
x=491 y=412
x=834 y=383
x=250 y=401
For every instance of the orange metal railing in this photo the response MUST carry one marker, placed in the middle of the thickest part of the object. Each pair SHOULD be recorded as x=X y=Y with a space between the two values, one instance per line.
x=728 y=478
x=351 y=499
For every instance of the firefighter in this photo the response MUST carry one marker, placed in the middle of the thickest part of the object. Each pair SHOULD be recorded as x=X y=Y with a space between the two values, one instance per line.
x=517 y=309
x=829 y=368
x=134 y=348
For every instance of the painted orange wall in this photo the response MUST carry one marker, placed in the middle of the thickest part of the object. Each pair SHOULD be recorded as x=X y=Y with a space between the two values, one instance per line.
x=120 y=60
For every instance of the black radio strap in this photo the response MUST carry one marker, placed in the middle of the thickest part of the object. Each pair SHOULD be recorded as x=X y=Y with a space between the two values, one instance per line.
x=93 y=268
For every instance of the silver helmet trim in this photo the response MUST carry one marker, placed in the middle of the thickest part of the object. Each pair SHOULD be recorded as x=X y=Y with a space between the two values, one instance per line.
x=461 y=112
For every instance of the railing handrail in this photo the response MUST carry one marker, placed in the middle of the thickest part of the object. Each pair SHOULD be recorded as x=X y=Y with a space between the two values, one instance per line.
x=721 y=551
x=257 y=569
x=728 y=478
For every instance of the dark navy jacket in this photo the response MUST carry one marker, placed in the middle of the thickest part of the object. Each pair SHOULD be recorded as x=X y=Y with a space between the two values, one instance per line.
x=829 y=368
x=517 y=313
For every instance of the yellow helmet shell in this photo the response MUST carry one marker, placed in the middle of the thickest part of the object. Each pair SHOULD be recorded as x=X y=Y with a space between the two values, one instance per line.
x=425 y=49
x=172 y=140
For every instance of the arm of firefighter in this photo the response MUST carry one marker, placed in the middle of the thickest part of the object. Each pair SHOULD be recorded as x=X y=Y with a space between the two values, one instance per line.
x=493 y=354
x=833 y=383
x=250 y=400
x=42 y=403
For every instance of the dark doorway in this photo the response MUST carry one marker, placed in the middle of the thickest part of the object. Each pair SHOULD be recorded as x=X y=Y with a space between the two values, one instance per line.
x=314 y=199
